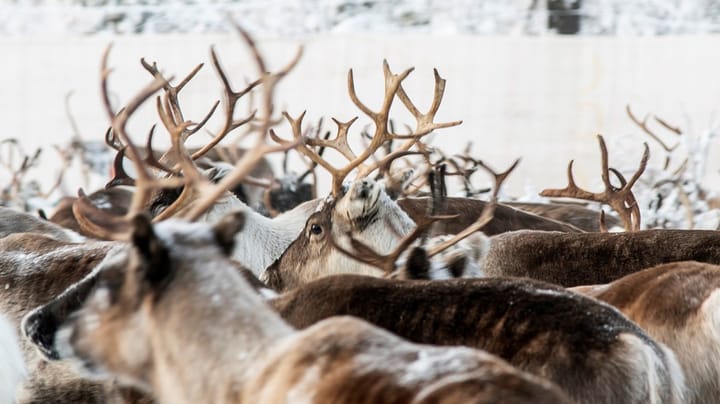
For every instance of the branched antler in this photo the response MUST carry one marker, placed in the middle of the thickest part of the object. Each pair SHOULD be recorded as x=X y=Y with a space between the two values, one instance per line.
x=381 y=135
x=622 y=200
x=243 y=166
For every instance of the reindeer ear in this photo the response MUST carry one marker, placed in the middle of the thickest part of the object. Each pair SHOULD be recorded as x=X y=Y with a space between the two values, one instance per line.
x=151 y=250
x=226 y=229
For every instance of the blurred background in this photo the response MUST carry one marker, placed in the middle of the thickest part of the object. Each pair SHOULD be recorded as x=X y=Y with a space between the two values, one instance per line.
x=531 y=79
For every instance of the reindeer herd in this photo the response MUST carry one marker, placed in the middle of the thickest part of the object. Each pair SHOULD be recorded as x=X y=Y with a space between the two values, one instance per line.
x=201 y=277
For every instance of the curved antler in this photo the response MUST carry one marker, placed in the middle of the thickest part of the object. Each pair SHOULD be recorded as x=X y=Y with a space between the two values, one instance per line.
x=622 y=200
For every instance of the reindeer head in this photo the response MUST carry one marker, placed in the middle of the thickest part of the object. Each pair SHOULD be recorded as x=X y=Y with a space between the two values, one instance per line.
x=113 y=329
x=365 y=211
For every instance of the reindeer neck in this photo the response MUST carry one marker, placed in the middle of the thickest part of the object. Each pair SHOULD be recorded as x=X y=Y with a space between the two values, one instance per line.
x=263 y=240
x=211 y=325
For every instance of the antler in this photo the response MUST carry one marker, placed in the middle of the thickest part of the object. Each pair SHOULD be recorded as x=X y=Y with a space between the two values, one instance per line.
x=487 y=212
x=382 y=134
x=231 y=98
x=245 y=164
x=92 y=219
x=621 y=199
x=387 y=262
x=643 y=125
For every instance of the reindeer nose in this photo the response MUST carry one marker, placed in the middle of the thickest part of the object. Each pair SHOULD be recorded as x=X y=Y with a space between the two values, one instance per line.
x=364 y=188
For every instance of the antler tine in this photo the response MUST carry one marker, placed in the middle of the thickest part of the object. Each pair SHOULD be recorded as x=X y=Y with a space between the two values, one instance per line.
x=112 y=140
x=499 y=178
x=94 y=220
x=643 y=125
x=171 y=91
x=620 y=199
x=312 y=165
x=177 y=138
x=150 y=157
x=425 y=122
x=119 y=120
x=602 y=224
x=485 y=216
x=119 y=175
x=230 y=97
x=630 y=204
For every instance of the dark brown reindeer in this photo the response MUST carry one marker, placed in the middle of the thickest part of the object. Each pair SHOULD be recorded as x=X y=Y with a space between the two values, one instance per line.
x=465 y=165
x=579 y=216
x=594 y=258
x=587 y=348
x=134 y=324
x=677 y=305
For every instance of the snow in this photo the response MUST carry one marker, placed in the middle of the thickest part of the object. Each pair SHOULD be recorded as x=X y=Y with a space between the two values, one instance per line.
x=289 y=18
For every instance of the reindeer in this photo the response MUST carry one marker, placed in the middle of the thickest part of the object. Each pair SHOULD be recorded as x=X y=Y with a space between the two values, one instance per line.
x=677 y=305
x=143 y=300
x=596 y=355
x=12 y=221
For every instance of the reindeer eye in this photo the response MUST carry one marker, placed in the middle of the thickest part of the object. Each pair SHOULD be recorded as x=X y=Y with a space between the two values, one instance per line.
x=315 y=229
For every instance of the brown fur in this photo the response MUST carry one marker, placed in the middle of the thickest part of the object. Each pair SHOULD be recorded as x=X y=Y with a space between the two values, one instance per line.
x=112 y=200
x=332 y=349
x=576 y=215
x=136 y=324
x=594 y=258
x=12 y=221
x=33 y=269
x=468 y=210
x=540 y=328
x=674 y=303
